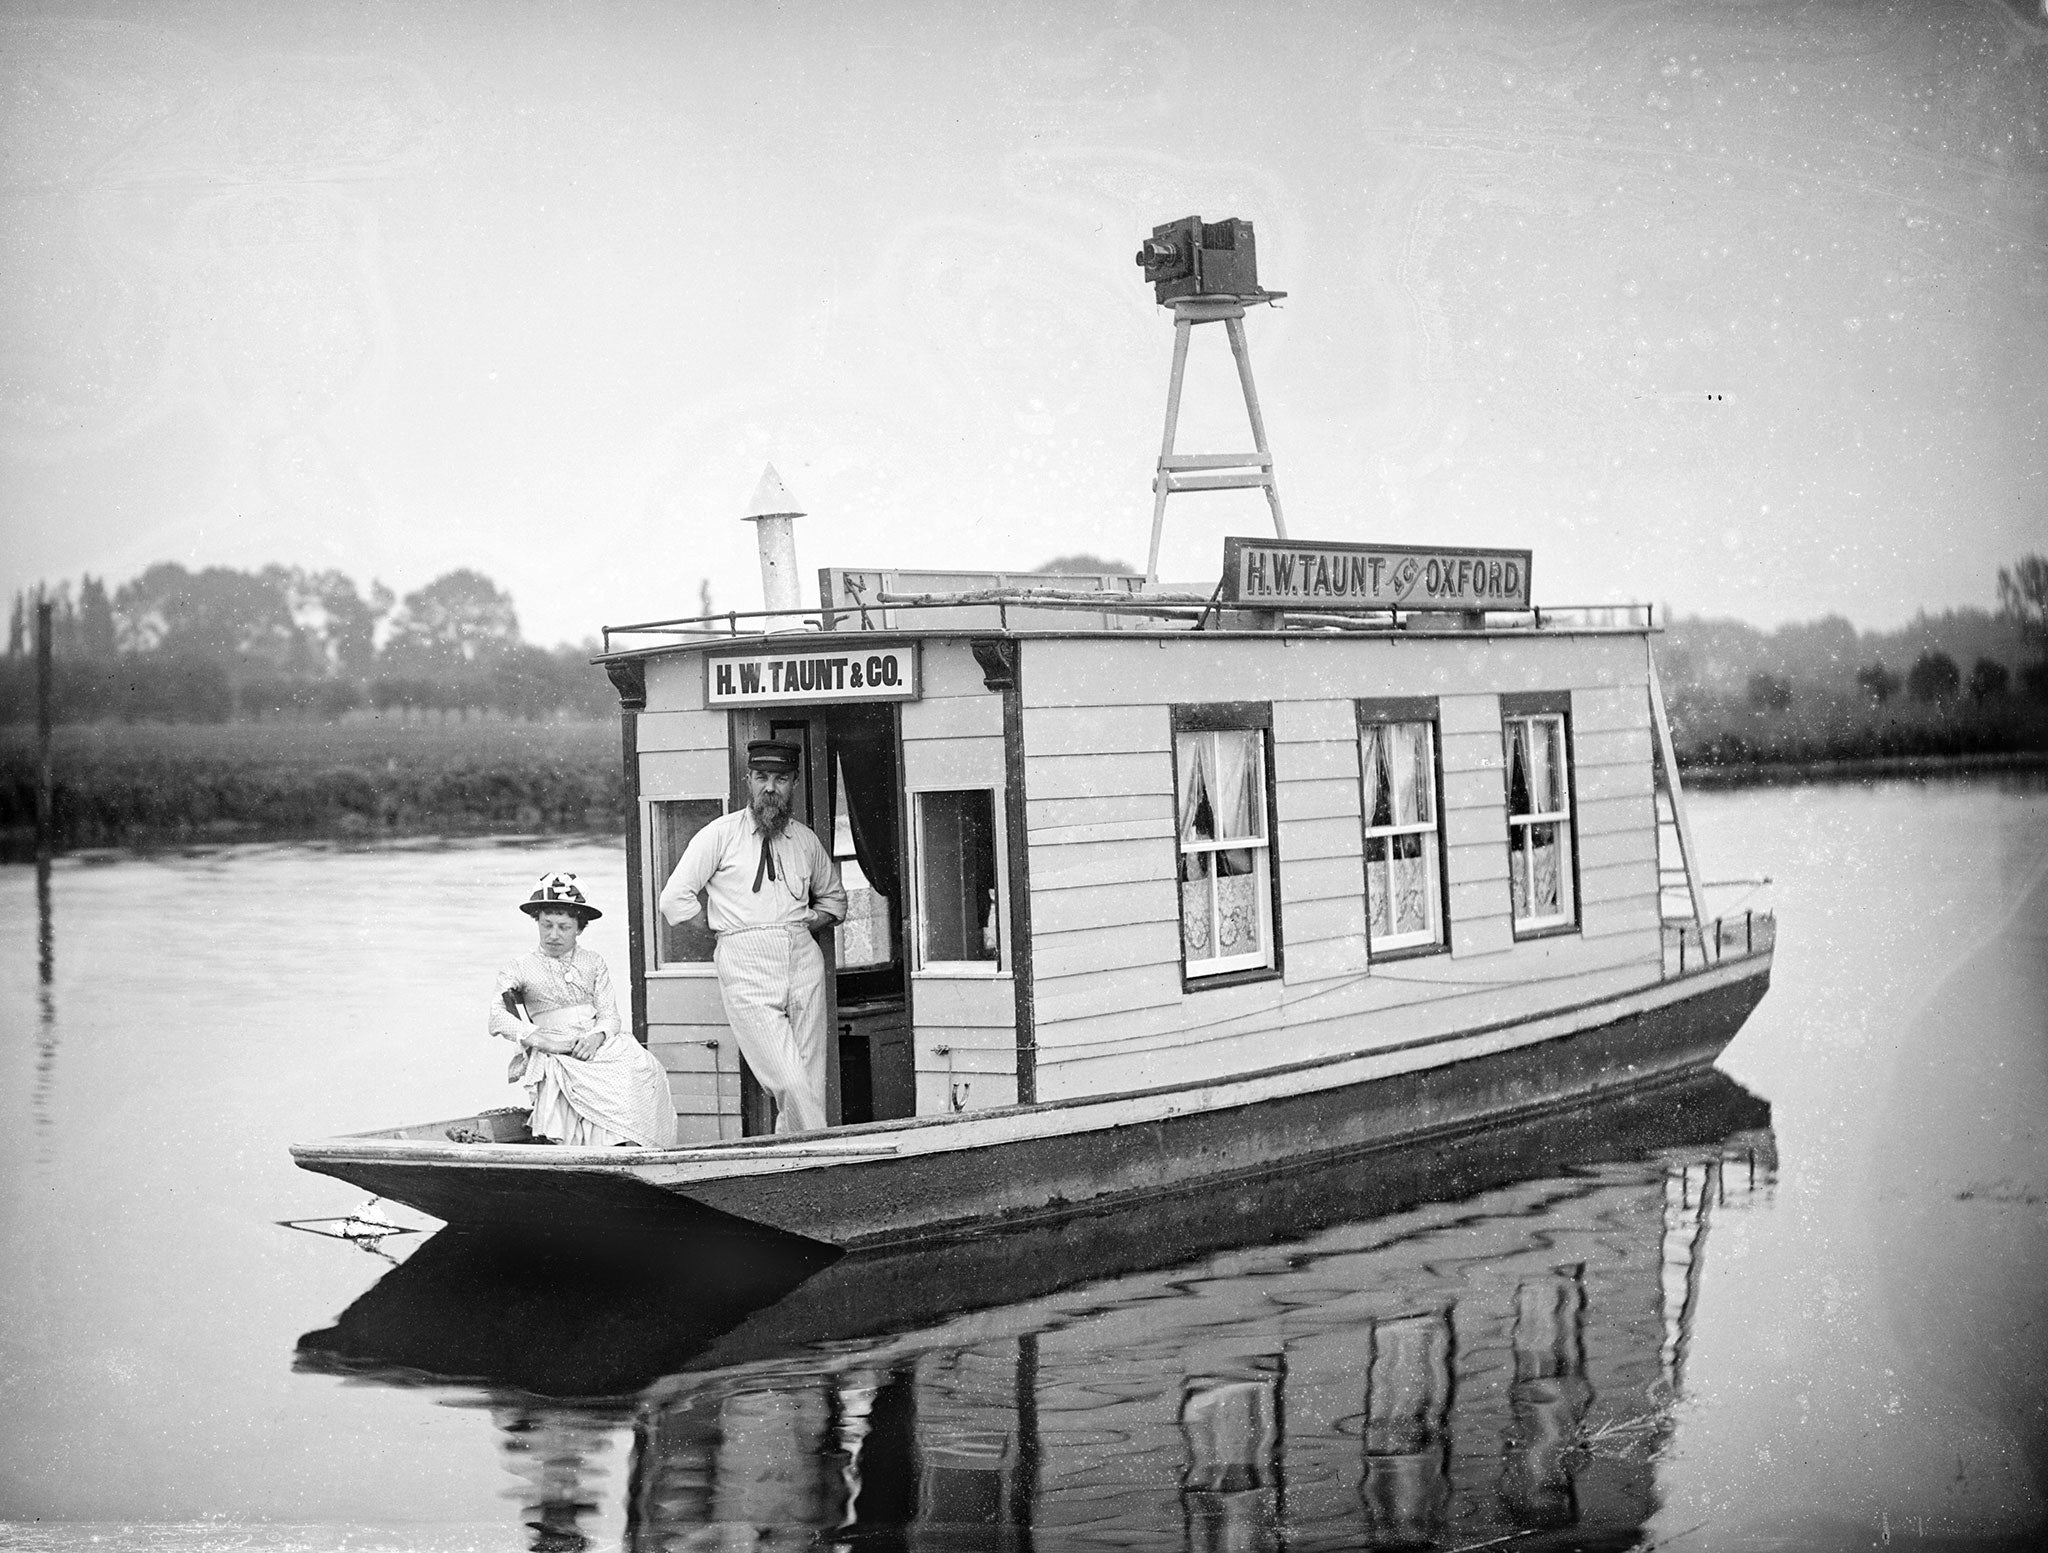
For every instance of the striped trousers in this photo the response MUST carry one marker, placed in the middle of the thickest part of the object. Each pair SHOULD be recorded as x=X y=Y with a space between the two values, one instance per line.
x=772 y=982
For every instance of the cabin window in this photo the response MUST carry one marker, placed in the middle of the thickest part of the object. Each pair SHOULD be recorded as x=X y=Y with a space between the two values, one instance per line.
x=1226 y=890
x=1403 y=832
x=958 y=888
x=1540 y=862
x=672 y=822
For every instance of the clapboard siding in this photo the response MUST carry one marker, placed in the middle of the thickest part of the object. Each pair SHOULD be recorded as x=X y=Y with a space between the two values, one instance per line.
x=1326 y=798
x=1159 y=828
x=1055 y=814
x=1313 y=840
x=1339 y=916
x=676 y=685
x=1616 y=747
x=1107 y=730
x=952 y=763
x=1315 y=722
x=1597 y=783
x=1627 y=914
x=1071 y=1000
x=1611 y=706
x=654 y=731
x=1483 y=928
x=685 y=774
x=1325 y=959
x=1320 y=879
x=959 y=717
x=1095 y=906
x=1480 y=862
x=1475 y=789
x=986 y=1002
x=1618 y=881
x=1468 y=720
x=1100 y=862
x=685 y=999
x=1361 y=1014
x=1102 y=949
x=949 y=669
x=1635 y=845
x=1084 y=776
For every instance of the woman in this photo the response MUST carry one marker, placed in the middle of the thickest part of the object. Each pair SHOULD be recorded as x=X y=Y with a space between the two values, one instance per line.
x=592 y=1084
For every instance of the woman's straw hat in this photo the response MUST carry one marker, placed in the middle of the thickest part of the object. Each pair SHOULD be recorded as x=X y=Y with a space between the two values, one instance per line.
x=559 y=892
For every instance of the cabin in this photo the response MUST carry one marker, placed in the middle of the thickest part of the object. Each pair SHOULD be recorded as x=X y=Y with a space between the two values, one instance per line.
x=1101 y=837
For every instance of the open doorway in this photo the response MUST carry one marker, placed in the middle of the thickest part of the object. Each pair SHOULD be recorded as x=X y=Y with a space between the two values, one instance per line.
x=850 y=794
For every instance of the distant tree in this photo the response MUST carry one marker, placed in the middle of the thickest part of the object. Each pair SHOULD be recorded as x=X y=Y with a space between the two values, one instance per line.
x=2023 y=598
x=18 y=626
x=95 y=619
x=218 y=613
x=1769 y=693
x=1877 y=682
x=457 y=619
x=1933 y=676
x=1082 y=563
x=1988 y=678
x=338 y=626
x=2034 y=680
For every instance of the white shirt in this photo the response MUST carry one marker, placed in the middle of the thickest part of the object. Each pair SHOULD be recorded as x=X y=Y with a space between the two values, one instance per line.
x=723 y=861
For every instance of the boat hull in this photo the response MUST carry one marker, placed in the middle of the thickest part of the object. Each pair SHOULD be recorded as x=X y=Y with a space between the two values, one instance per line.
x=891 y=1183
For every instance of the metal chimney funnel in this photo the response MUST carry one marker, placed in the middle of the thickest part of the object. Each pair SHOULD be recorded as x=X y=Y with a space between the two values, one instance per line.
x=775 y=511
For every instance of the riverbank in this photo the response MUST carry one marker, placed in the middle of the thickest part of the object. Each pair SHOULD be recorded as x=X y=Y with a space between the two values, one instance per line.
x=1780 y=773
x=143 y=785
x=179 y=784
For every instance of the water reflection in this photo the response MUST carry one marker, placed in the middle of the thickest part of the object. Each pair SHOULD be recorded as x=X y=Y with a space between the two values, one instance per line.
x=1486 y=1343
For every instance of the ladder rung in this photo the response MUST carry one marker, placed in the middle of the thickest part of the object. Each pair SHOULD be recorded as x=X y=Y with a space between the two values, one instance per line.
x=1217 y=461
x=1216 y=482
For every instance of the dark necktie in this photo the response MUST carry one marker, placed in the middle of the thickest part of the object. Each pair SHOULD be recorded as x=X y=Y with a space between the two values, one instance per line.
x=766 y=867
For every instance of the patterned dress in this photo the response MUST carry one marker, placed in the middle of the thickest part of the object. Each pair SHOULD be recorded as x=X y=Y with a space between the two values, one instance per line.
x=617 y=1095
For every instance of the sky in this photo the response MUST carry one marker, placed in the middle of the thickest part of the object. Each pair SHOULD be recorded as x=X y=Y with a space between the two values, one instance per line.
x=1739 y=307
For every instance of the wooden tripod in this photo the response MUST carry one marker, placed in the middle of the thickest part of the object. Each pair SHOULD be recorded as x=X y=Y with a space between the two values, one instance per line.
x=1211 y=471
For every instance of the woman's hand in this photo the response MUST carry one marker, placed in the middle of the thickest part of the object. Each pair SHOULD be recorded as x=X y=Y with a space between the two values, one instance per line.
x=543 y=1041
x=587 y=1043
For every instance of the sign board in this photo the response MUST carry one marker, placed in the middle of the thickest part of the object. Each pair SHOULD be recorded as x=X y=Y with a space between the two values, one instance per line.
x=764 y=677
x=1292 y=574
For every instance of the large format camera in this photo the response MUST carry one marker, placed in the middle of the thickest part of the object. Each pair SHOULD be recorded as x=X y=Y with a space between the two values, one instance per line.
x=1197 y=258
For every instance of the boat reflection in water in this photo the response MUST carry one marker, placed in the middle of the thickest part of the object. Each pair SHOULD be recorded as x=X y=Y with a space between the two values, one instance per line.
x=1484 y=1340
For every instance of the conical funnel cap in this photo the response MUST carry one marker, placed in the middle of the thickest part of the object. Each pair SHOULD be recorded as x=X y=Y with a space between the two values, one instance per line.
x=772 y=498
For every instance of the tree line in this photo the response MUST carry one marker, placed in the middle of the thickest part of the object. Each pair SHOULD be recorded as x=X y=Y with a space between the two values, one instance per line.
x=2006 y=653
x=220 y=645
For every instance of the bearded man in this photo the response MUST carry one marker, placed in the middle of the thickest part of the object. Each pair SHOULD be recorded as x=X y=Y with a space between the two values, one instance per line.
x=765 y=883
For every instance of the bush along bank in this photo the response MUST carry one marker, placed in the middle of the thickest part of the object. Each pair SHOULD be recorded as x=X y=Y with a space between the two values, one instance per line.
x=1786 y=729
x=141 y=787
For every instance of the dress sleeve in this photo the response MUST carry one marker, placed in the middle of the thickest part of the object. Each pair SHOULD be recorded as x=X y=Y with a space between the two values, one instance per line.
x=601 y=997
x=503 y=1022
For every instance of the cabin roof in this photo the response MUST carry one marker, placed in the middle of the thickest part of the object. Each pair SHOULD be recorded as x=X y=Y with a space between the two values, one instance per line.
x=1146 y=616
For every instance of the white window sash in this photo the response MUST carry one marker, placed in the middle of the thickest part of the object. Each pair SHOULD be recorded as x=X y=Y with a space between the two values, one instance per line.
x=1378 y=747
x=1249 y=784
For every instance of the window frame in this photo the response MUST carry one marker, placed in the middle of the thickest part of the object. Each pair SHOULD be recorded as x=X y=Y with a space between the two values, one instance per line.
x=1230 y=717
x=1391 y=711
x=914 y=923
x=657 y=879
x=1530 y=707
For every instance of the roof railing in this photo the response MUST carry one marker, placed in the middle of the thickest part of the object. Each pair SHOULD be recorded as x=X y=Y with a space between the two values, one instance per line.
x=1194 y=610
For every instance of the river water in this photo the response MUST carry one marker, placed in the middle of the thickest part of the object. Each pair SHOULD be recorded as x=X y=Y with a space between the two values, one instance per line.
x=1801 y=1306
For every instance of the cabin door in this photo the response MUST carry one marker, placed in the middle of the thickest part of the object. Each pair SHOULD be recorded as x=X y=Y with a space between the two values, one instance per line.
x=848 y=792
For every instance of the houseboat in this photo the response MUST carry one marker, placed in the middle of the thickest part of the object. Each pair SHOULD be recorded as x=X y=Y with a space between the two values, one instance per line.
x=1151 y=889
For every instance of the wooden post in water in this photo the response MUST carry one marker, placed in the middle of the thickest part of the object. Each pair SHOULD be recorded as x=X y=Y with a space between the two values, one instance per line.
x=45 y=808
